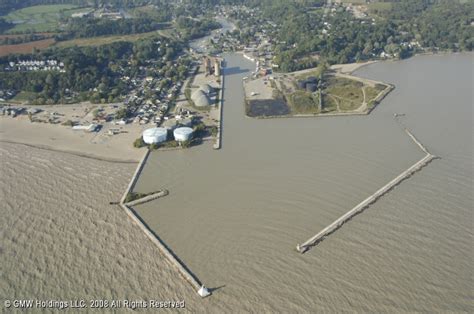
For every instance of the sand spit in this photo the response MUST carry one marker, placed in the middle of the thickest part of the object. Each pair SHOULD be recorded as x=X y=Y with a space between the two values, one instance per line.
x=349 y=68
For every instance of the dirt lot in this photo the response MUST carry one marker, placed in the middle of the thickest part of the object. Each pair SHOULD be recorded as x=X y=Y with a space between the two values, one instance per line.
x=26 y=47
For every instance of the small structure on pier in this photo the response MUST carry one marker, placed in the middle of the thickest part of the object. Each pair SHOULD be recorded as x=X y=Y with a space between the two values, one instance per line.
x=203 y=292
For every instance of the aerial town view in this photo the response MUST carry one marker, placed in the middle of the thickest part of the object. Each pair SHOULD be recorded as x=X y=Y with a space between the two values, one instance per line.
x=222 y=156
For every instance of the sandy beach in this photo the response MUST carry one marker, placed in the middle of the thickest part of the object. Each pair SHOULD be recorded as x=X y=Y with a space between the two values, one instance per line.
x=61 y=138
x=348 y=68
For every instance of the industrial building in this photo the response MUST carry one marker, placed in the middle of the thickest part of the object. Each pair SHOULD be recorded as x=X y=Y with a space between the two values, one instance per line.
x=208 y=89
x=310 y=84
x=204 y=96
x=155 y=135
x=217 y=67
x=183 y=134
x=212 y=66
x=200 y=98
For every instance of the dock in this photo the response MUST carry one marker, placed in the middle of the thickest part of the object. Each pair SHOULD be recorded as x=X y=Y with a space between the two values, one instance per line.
x=303 y=247
x=217 y=144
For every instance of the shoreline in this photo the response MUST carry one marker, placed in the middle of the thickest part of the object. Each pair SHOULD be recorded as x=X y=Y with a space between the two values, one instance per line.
x=97 y=145
x=71 y=152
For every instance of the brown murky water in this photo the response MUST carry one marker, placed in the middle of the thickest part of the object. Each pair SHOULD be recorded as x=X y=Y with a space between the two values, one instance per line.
x=234 y=216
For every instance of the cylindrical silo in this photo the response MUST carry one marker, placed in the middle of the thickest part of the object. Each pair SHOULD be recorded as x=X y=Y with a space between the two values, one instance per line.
x=183 y=134
x=155 y=135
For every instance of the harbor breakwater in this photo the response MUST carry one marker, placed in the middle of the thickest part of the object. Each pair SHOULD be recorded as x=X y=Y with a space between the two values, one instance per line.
x=164 y=249
x=359 y=208
x=218 y=143
x=148 y=198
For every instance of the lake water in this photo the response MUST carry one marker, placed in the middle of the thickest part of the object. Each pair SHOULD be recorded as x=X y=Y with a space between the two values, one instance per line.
x=235 y=215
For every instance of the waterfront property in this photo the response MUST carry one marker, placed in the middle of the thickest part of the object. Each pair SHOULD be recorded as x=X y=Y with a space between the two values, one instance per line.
x=312 y=92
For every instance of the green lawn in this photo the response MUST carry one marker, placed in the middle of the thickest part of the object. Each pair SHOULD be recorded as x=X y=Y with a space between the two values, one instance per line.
x=40 y=18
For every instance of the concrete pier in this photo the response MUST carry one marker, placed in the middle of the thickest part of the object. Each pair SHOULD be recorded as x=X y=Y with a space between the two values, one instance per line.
x=217 y=144
x=179 y=266
x=131 y=185
x=148 y=198
x=303 y=247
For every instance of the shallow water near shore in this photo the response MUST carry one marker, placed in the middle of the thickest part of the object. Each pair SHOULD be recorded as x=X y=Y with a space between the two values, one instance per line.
x=234 y=216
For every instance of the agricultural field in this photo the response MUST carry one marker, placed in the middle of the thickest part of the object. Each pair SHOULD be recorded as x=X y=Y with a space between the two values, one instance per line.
x=39 y=18
x=103 y=40
x=26 y=47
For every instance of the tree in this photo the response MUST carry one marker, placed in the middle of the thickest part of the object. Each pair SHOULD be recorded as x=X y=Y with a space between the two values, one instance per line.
x=185 y=144
x=139 y=142
x=122 y=113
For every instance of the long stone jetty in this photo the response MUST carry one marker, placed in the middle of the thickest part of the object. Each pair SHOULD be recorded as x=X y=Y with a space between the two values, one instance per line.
x=164 y=249
x=303 y=247
x=217 y=144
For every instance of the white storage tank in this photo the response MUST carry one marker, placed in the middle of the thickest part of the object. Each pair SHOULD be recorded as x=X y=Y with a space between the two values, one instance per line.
x=155 y=135
x=183 y=134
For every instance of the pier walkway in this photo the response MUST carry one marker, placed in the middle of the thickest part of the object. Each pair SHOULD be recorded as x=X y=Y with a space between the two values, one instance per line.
x=164 y=249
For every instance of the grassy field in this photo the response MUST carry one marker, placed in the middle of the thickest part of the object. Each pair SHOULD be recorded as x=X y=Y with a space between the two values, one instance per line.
x=39 y=18
x=329 y=104
x=302 y=102
x=316 y=73
x=340 y=94
x=345 y=88
x=378 y=7
x=26 y=47
x=372 y=92
x=20 y=98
